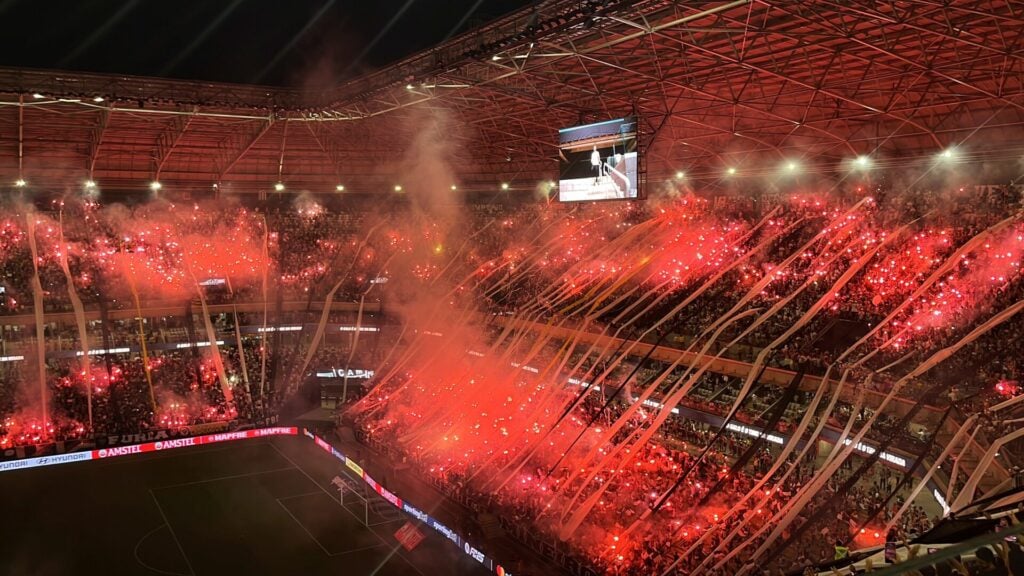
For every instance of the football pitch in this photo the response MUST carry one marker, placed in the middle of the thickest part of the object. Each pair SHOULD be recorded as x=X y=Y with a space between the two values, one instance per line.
x=251 y=507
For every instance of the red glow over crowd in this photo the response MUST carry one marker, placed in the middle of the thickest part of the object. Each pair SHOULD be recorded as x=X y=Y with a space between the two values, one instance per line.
x=532 y=316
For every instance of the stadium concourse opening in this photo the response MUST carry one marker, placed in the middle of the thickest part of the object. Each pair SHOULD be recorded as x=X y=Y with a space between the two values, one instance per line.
x=594 y=287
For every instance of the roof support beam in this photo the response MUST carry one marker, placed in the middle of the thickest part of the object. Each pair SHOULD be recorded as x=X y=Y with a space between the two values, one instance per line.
x=21 y=136
x=326 y=145
x=169 y=138
x=815 y=89
x=513 y=71
x=929 y=68
x=239 y=144
x=284 y=142
x=96 y=139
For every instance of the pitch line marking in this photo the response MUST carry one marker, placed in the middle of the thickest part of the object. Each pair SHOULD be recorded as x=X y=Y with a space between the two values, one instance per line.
x=219 y=478
x=173 y=535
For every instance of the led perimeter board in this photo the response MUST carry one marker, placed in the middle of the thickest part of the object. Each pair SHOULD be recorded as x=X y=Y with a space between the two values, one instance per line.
x=599 y=161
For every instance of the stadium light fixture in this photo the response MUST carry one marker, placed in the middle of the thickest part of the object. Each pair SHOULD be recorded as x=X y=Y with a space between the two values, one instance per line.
x=731 y=171
x=454 y=187
x=98 y=99
x=38 y=96
x=20 y=183
x=279 y=187
x=155 y=186
x=408 y=86
x=90 y=185
x=791 y=167
x=947 y=154
x=339 y=188
x=680 y=175
x=398 y=187
x=862 y=162
x=504 y=185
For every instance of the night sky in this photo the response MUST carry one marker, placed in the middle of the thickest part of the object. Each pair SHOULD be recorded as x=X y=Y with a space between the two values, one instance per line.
x=299 y=43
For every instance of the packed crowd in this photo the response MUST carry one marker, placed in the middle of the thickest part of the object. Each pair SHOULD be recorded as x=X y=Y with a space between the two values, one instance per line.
x=182 y=386
x=924 y=286
x=717 y=482
x=119 y=395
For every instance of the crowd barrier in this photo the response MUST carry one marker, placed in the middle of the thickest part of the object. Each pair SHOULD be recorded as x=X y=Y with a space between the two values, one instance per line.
x=107 y=440
x=114 y=451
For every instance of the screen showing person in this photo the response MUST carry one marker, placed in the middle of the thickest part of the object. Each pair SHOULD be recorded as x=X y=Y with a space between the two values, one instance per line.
x=598 y=161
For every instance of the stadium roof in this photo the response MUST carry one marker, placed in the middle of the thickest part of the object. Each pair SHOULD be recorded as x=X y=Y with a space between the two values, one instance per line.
x=747 y=84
